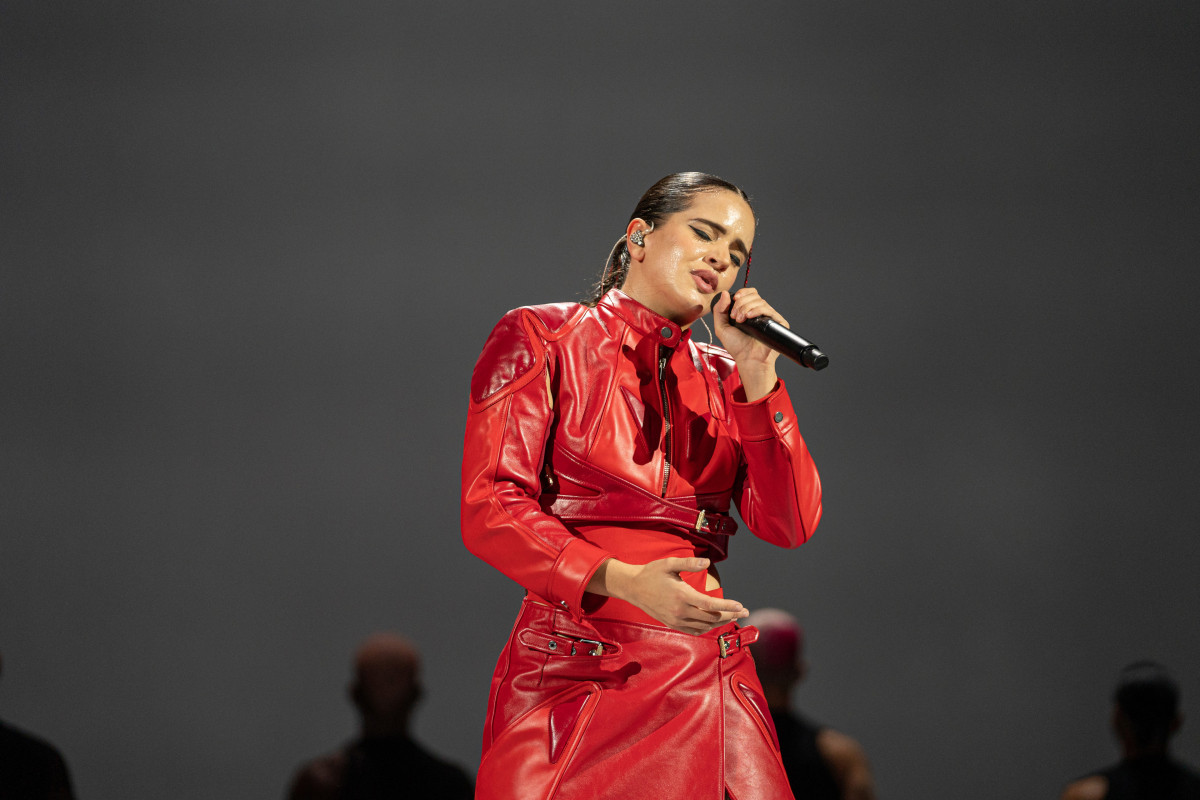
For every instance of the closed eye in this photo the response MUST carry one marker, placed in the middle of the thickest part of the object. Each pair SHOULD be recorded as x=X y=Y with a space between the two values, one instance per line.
x=735 y=260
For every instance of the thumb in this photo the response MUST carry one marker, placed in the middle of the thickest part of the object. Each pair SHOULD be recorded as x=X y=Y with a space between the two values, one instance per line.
x=721 y=303
x=676 y=564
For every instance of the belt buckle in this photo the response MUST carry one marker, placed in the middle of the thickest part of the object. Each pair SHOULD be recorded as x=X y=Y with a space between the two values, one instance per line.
x=598 y=650
x=724 y=644
x=700 y=521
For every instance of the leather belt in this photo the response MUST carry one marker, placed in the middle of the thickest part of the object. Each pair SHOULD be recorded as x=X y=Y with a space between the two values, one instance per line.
x=619 y=500
x=735 y=640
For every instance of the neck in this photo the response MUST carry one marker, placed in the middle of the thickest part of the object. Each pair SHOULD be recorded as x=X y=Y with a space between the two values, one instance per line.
x=646 y=299
x=372 y=728
x=1135 y=752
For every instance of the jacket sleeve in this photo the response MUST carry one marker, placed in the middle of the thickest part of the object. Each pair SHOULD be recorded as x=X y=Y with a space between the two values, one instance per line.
x=508 y=422
x=778 y=491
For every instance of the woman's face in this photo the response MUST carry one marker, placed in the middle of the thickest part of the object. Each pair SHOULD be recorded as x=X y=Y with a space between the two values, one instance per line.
x=691 y=256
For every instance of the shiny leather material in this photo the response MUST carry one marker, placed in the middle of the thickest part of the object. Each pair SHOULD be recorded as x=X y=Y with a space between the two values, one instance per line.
x=609 y=498
x=562 y=722
x=660 y=718
x=566 y=380
x=605 y=432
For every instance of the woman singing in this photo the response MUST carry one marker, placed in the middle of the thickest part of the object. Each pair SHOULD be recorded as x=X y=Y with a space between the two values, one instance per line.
x=603 y=448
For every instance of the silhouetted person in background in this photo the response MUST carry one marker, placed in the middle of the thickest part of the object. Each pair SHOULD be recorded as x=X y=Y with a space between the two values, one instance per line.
x=31 y=769
x=821 y=763
x=1145 y=717
x=384 y=761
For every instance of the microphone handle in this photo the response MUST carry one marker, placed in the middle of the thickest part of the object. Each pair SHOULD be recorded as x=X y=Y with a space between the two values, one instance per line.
x=777 y=337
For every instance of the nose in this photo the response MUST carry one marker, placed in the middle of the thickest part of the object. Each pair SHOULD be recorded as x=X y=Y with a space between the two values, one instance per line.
x=719 y=258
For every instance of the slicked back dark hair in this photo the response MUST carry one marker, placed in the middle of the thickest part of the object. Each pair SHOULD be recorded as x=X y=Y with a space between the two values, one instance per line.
x=668 y=196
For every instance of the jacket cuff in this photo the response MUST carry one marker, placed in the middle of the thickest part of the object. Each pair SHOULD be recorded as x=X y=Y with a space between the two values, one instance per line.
x=576 y=564
x=767 y=417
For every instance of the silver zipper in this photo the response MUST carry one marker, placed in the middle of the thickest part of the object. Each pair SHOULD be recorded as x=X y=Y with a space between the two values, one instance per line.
x=664 y=355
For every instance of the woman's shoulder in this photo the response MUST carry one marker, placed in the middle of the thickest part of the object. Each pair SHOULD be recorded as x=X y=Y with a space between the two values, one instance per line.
x=550 y=317
x=544 y=320
x=515 y=349
x=553 y=317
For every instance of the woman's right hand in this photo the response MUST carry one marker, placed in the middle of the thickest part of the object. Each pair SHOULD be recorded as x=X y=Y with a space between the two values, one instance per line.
x=658 y=589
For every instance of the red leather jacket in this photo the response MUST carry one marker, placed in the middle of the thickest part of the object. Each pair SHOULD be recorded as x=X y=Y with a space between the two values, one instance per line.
x=605 y=432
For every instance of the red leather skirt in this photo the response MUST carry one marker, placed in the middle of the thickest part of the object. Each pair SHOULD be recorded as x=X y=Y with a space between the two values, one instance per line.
x=616 y=709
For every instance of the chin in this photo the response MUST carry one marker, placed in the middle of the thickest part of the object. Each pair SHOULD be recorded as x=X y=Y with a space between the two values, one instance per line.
x=686 y=318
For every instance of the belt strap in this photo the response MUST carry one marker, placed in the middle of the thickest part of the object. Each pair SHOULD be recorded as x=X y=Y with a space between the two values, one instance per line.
x=700 y=518
x=736 y=640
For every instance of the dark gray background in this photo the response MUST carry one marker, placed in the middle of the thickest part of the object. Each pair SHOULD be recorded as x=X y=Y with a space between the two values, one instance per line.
x=251 y=250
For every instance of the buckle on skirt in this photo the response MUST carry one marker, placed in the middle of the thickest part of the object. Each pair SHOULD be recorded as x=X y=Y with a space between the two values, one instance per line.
x=729 y=642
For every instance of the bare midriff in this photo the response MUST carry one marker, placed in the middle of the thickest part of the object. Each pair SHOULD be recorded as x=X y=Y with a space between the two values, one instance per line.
x=641 y=546
x=712 y=580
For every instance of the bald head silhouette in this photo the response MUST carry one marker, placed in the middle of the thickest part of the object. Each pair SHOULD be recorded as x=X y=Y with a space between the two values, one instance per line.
x=386 y=684
x=383 y=761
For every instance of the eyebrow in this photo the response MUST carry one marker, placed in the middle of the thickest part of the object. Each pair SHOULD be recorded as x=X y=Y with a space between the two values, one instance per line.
x=738 y=243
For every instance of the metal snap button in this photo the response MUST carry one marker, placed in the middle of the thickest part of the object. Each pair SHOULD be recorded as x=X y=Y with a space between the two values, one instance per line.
x=666 y=332
x=779 y=416
x=552 y=645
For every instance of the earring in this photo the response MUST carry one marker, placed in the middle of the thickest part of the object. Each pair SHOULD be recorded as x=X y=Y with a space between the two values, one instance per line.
x=638 y=237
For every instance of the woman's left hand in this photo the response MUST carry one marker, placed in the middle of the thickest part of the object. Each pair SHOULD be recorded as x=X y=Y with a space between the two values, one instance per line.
x=755 y=361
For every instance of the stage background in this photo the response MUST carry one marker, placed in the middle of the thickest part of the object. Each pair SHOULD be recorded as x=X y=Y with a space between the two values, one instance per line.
x=251 y=250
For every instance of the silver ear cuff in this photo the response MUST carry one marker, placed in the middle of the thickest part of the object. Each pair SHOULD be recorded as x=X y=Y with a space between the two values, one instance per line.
x=638 y=237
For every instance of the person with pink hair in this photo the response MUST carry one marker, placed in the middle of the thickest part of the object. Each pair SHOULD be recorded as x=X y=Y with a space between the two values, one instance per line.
x=821 y=763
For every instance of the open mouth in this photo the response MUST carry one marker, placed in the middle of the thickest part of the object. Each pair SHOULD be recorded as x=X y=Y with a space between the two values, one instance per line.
x=706 y=281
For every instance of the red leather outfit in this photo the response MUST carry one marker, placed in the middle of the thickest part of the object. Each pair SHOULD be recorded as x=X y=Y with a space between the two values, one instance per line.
x=606 y=432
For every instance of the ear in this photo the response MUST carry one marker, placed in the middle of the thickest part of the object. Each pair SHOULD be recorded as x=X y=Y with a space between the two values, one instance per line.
x=636 y=252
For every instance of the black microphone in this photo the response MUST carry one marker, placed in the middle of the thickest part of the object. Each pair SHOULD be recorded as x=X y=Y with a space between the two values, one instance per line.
x=777 y=337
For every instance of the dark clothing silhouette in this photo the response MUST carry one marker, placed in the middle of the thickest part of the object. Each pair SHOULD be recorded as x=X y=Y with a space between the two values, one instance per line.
x=1151 y=779
x=31 y=769
x=383 y=767
x=808 y=774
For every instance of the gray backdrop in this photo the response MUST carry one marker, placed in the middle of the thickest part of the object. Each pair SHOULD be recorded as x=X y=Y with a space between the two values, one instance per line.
x=251 y=250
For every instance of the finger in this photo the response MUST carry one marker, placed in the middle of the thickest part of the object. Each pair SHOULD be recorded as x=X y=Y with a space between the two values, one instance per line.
x=716 y=605
x=684 y=564
x=758 y=308
x=699 y=626
x=751 y=307
x=721 y=307
x=698 y=616
x=708 y=623
x=745 y=300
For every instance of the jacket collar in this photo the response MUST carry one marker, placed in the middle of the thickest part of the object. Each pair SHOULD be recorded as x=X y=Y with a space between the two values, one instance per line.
x=649 y=323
